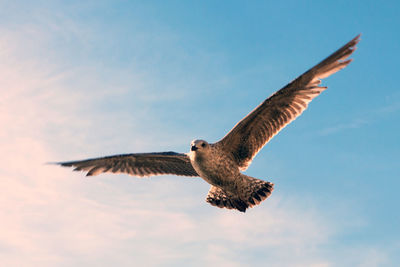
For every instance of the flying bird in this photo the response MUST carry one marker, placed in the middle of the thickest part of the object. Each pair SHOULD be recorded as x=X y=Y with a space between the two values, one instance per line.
x=220 y=164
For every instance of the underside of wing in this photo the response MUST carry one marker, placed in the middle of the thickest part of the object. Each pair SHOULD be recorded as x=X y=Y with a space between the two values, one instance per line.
x=140 y=164
x=265 y=121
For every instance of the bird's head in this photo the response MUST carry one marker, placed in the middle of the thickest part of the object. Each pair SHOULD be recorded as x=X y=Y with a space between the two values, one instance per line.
x=199 y=146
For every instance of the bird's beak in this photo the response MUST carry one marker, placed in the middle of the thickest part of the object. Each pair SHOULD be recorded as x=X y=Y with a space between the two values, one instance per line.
x=193 y=148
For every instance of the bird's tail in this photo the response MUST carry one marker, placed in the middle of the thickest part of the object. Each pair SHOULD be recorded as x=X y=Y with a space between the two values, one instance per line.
x=254 y=190
x=251 y=192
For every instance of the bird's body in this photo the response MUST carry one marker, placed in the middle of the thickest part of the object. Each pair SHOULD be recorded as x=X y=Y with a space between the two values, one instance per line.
x=220 y=170
x=214 y=166
x=220 y=164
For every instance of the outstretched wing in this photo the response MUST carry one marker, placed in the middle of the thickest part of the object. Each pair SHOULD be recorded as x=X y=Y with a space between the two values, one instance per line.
x=141 y=164
x=265 y=121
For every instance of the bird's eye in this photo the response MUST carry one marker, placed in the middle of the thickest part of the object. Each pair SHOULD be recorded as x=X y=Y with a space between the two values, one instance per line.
x=203 y=145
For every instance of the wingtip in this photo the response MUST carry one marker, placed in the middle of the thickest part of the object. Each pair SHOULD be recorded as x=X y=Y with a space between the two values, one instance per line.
x=355 y=41
x=55 y=163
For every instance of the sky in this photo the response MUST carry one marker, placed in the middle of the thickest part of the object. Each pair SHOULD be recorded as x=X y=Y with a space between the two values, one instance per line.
x=84 y=79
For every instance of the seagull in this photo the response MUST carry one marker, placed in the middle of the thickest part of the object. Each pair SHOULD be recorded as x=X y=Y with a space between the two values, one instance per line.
x=220 y=164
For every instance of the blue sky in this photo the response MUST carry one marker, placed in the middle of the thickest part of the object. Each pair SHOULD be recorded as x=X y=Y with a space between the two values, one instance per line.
x=105 y=77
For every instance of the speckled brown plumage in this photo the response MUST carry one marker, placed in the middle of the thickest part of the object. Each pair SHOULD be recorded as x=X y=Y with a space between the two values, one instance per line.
x=220 y=163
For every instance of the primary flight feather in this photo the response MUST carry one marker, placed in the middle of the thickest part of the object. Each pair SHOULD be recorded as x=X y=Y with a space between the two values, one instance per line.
x=220 y=163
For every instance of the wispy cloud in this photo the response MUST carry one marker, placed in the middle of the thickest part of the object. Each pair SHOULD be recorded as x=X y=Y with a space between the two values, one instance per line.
x=368 y=118
x=355 y=124
x=392 y=107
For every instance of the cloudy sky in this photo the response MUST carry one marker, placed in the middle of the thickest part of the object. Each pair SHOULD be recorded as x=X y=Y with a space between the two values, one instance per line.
x=99 y=78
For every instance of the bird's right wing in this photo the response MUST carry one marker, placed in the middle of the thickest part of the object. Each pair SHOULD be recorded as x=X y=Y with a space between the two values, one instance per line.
x=140 y=164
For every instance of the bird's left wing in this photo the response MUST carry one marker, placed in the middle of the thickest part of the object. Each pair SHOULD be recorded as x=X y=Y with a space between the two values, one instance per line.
x=265 y=121
x=140 y=164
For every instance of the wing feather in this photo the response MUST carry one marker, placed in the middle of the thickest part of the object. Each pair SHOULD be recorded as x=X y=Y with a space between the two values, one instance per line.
x=140 y=164
x=264 y=122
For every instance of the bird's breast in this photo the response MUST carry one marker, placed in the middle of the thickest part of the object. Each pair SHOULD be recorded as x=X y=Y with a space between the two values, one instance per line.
x=216 y=169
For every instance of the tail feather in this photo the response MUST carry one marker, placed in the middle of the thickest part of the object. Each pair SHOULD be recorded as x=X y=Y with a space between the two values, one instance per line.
x=250 y=193
x=255 y=190
x=219 y=198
